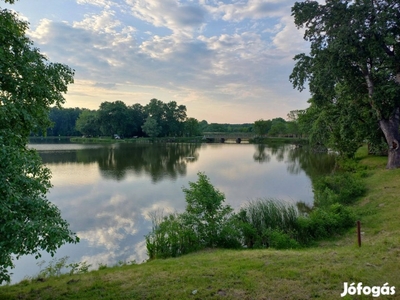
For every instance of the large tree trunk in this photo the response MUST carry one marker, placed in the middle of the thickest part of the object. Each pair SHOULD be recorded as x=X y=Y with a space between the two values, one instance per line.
x=390 y=129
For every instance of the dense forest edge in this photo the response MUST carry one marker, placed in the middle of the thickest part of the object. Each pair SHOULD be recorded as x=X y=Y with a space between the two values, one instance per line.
x=315 y=271
x=157 y=119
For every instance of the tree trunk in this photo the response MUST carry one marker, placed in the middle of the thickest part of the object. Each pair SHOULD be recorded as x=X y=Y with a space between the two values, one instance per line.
x=390 y=128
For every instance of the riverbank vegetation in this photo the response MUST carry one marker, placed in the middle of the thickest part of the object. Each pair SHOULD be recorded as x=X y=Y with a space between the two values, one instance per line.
x=155 y=119
x=314 y=272
x=262 y=223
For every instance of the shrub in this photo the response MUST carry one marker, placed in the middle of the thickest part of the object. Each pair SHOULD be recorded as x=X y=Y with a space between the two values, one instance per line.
x=170 y=237
x=278 y=239
x=343 y=188
x=324 y=223
x=206 y=222
x=205 y=213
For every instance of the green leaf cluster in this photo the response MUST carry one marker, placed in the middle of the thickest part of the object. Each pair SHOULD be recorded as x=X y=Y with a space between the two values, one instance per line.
x=352 y=71
x=29 y=84
x=206 y=223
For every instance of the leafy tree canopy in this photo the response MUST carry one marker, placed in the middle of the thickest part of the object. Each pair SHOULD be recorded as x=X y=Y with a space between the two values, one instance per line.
x=151 y=127
x=29 y=85
x=353 y=68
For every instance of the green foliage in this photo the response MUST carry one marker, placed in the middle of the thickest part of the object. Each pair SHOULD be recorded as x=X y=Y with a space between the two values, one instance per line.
x=169 y=116
x=324 y=223
x=29 y=85
x=225 y=128
x=79 y=268
x=206 y=222
x=63 y=121
x=88 y=123
x=113 y=118
x=352 y=72
x=274 y=127
x=279 y=239
x=151 y=127
x=343 y=188
x=266 y=221
x=102 y=266
x=170 y=237
x=339 y=126
x=205 y=212
x=56 y=267
x=278 y=127
x=271 y=223
x=192 y=127
x=261 y=127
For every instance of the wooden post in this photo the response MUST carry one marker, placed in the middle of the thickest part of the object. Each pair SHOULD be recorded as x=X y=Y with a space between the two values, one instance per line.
x=359 y=233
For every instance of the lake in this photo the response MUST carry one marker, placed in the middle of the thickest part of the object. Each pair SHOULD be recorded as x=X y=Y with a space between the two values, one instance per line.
x=106 y=192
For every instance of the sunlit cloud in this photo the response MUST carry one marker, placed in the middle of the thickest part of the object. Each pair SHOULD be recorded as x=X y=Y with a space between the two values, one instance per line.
x=232 y=56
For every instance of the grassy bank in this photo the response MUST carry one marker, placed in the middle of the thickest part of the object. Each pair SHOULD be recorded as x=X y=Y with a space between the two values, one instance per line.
x=317 y=272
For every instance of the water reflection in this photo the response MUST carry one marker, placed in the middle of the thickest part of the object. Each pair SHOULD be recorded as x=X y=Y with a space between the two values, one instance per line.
x=260 y=155
x=298 y=159
x=116 y=161
x=106 y=192
x=306 y=160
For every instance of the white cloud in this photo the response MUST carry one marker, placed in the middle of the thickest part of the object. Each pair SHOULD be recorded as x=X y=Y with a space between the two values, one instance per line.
x=206 y=52
x=179 y=18
x=101 y=3
x=251 y=9
x=103 y=23
x=289 y=39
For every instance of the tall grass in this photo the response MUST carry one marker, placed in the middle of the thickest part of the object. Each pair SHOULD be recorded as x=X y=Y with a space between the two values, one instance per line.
x=271 y=213
x=271 y=223
x=268 y=223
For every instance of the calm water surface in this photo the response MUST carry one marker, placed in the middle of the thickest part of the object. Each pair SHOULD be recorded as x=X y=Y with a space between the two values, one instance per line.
x=106 y=192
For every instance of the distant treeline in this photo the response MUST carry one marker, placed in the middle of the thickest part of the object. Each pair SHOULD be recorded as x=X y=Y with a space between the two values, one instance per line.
x=154 y=119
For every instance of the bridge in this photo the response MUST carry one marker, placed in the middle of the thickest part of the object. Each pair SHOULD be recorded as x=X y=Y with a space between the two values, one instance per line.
x=228 y=138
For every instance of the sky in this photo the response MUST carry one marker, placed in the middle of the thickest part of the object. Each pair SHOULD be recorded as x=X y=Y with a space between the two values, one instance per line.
x=227 y=61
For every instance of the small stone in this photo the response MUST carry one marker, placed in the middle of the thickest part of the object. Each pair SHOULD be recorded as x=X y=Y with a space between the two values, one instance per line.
x=194 y=292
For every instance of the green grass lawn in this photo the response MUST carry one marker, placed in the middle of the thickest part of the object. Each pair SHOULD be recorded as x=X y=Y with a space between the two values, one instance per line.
x=317 y=272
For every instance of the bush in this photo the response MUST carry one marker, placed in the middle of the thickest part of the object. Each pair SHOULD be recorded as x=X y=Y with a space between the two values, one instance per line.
x=205 y=223
x=205 y=212
x=170 y=237
x=278 y=239
x=343 y=188
x=324 y=223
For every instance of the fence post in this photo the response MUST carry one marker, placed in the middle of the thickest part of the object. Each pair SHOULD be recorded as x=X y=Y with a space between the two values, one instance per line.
x=359 y=233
